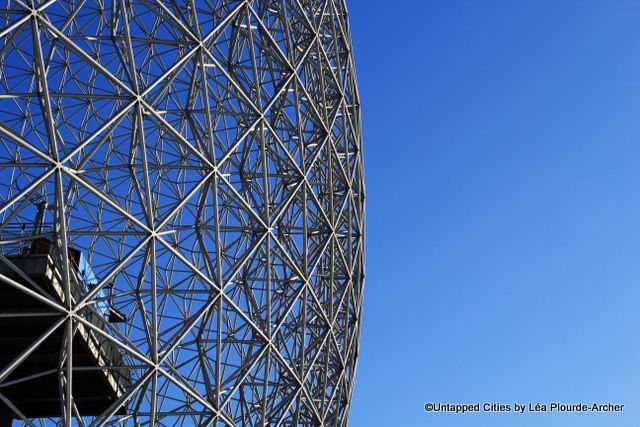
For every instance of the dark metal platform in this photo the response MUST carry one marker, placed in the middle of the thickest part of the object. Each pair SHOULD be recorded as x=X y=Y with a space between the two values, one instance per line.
x=36 y=385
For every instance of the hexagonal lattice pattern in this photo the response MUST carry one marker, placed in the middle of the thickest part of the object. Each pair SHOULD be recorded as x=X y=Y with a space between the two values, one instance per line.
x=204 y=159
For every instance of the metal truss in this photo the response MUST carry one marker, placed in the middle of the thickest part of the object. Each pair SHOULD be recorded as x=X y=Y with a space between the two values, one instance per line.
x=204 y=158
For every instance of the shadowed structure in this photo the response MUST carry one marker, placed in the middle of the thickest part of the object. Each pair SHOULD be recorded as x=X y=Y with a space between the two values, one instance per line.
x=181 y=213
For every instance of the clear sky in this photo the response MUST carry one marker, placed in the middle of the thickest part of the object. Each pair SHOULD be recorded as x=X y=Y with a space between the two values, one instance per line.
x=502 y=148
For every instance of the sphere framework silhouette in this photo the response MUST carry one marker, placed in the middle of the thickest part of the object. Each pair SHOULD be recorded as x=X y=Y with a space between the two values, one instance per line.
x=181 y=212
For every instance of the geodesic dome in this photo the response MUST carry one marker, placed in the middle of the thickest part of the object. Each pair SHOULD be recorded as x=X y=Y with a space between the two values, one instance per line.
x=181 y=212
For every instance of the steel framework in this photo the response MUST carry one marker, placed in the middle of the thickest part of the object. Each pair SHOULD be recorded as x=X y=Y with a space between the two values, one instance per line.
x=203 y=157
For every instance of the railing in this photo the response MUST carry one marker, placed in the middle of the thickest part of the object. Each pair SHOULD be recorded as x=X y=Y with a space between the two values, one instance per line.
x=16 y=239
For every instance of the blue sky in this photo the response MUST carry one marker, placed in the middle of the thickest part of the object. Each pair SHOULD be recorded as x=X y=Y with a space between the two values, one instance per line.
x=502 y=148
